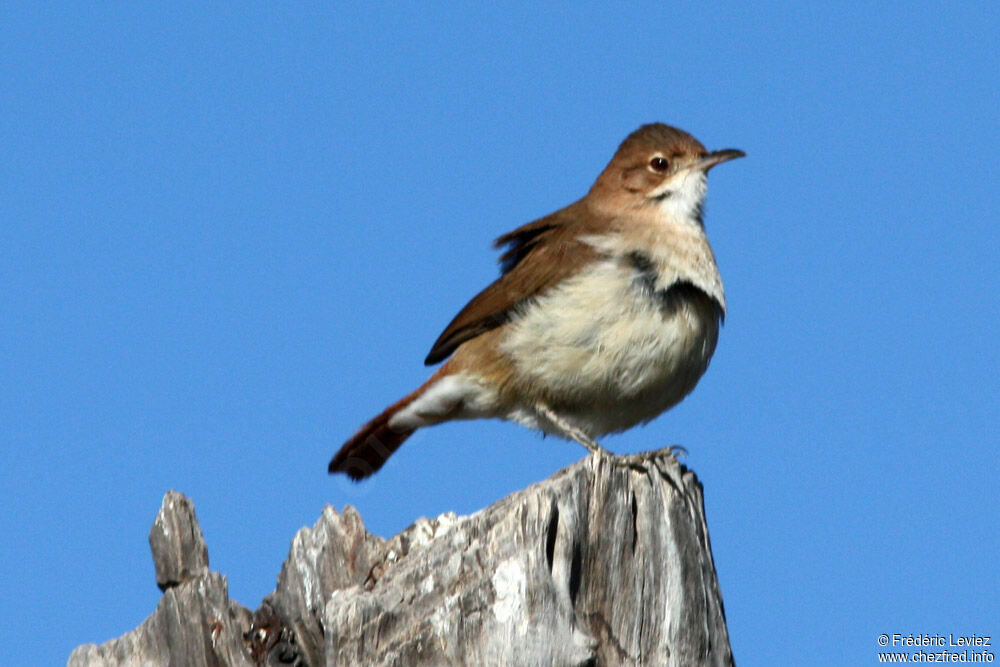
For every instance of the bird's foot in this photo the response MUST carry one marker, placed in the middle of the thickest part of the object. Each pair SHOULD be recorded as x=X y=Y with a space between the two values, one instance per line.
x=636 y=462
x=674 y=450
x=641 y=460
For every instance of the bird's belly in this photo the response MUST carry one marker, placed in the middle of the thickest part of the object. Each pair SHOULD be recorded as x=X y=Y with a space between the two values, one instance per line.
x=608 y=356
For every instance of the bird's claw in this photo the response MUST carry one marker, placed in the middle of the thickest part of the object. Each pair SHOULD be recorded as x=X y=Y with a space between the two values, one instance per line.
x=674 y=450
x=641 y=460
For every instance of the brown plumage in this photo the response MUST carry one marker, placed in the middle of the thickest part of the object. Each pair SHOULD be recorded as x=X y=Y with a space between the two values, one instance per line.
x=539 y=254
x=371 y=446
x=605 y=314
x=375 y=442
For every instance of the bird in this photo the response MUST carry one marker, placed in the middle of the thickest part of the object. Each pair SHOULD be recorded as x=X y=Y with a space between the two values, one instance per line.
x=606 y=313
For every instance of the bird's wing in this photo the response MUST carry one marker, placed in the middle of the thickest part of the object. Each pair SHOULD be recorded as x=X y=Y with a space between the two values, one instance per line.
x=538 y=256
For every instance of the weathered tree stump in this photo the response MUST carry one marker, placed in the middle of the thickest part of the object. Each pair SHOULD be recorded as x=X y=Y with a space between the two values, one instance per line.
x=607 y=562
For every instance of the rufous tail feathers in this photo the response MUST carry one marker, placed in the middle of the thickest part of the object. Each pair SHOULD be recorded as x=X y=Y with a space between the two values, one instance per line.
x=370 y=447
x=375 y=442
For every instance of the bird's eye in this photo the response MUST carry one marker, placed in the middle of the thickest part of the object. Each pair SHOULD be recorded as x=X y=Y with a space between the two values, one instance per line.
x=659 y=164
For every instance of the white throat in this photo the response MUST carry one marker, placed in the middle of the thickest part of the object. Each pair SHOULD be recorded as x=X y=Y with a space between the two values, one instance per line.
x=680 y=198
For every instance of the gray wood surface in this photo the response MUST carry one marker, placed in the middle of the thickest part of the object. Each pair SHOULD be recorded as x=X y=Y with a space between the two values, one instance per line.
x=607 y=562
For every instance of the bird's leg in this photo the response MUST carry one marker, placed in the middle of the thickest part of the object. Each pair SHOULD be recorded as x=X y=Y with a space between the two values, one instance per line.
x=570 y=431
x=634 y=461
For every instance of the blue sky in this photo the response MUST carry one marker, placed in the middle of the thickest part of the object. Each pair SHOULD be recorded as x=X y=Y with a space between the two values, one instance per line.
x=230 y=236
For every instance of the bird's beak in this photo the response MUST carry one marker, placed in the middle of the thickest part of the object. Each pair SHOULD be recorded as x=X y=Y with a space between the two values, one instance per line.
x=709 y=160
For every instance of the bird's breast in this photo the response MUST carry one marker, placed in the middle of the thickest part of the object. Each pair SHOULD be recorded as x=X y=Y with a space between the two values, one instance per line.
x=614 y=345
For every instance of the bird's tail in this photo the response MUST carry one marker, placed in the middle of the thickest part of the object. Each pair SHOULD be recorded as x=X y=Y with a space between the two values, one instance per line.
x=375 y=442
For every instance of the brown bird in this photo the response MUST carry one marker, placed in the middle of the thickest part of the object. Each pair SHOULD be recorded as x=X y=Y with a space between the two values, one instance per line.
x=605 y=314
